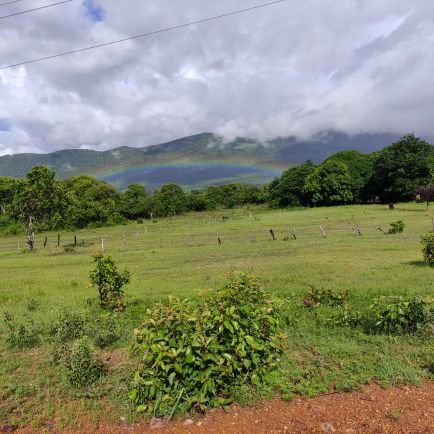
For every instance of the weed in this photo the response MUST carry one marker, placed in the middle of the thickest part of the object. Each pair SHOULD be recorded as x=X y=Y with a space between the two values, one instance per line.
x=105 y=330
x=327 y=297
x=21 y=335
x=80 y=363
x=396 y=227
x=394 y=415
x=397 y=315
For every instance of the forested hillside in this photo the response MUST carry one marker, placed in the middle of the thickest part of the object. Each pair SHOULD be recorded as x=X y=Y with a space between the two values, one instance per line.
x=194 y=162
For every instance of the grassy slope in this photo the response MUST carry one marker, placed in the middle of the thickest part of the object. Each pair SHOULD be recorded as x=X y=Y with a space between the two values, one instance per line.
x=318 y=359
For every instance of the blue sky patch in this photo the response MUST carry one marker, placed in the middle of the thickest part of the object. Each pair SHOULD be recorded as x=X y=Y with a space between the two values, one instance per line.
x=94 y=12
x=4 y=125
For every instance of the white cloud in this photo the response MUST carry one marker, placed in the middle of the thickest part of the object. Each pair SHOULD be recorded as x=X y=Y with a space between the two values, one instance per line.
x=292 y=69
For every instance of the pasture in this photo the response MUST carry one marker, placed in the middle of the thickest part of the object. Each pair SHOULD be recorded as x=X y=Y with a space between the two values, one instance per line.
x=182 y=256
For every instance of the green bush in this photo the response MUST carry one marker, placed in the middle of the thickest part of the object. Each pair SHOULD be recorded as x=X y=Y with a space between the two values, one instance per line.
x=397 y=227
x=109 y=282
x=80 y=363
x=193 y=351
x=20 y=335
x=397 y=315
x=67 y=326
x=327 y=297
x=427 y=242
x=105 y=330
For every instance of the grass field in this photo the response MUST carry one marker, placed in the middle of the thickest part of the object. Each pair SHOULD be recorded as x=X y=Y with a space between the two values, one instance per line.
x=181 y=257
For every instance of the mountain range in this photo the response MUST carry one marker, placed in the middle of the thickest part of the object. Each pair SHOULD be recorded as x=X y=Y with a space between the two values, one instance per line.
x=195 y=161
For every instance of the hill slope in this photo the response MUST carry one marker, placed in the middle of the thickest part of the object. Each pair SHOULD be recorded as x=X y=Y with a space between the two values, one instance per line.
x=195 y=161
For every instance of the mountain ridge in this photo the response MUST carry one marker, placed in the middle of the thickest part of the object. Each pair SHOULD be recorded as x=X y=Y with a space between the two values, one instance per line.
x=195 y=161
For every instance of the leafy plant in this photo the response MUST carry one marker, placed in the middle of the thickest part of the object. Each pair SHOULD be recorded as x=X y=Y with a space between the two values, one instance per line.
x=80 y=363
x=105 y=330
x=109 y=282
x=397 y=227
x=427 y=242
x=326 y=297
x=21 y=335
x=195 y=350
x=345 y=317
x=396 y=315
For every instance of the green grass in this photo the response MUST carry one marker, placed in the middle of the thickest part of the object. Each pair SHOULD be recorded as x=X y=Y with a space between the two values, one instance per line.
x=181 y=257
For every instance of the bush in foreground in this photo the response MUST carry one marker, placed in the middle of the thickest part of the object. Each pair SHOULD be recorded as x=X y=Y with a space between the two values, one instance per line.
x=397 y=315
x=194 y=351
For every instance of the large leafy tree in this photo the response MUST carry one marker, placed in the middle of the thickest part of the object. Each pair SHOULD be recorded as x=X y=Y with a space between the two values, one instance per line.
x=329 y=184
x=172 y=199
x=133 y=202
x=40 y=202
x=399 y=168
x=8 y=189
x=93 y=202
x=360 y=167
x=288 y=190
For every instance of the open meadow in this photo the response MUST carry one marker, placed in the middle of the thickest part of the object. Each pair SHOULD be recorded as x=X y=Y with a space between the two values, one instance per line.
x=181 y=257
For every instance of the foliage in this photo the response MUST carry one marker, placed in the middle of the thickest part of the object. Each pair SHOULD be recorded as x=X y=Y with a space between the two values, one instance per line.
x=427 y=242
x=399 y=168
x=397 y=315
x=327 y=297
x=39 y=202
x=67 y=326
x=329 y=184
x=109 y=282
x=80 y=364
x=397 y=227
x=288 y=190
x=21 y=335
x=105 y=330
x=93 y=203
x=132 y=202
x=230 y=335
x=360 y=168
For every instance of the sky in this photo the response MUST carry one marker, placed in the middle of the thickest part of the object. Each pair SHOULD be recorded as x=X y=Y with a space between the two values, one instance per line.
x=292 y=69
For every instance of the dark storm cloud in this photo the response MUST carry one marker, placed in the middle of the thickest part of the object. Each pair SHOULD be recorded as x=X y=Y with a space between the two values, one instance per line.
x=291 y=69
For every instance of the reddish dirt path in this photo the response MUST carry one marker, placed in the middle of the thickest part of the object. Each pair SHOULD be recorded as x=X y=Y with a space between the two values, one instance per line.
x=375 y=410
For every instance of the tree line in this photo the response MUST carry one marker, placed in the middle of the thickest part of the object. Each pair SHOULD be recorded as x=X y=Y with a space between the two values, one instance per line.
x=396 y=173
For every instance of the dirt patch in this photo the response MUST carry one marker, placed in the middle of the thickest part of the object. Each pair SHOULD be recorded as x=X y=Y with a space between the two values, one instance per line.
x=374 y=410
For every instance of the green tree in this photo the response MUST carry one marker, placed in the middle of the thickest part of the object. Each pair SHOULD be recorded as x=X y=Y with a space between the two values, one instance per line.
x=329 y=184
x=132 y=203
x=172 y=199
x=399 y=168
x=360 y=167
x=288 y=190
x=93 y=202
x=40 y=202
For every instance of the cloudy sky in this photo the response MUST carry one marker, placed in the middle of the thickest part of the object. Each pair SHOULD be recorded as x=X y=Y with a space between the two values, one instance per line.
x=295 y=68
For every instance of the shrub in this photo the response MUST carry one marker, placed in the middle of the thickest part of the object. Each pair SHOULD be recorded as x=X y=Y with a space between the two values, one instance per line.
x=427 y=242
x=397 y=315
x=67 y=327
x=197 y=350
x=326 y=297
x=397 y=227
x=105 y=330
x=346 y=317
x=109 y=282
x=80 y=363
x=21 y=335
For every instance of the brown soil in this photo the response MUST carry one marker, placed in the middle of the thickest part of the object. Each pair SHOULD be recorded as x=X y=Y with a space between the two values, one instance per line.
x=374 y=410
